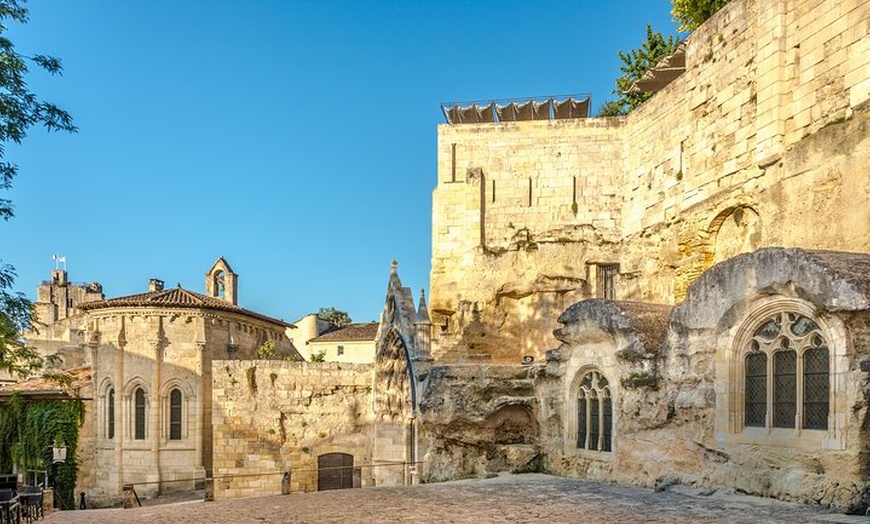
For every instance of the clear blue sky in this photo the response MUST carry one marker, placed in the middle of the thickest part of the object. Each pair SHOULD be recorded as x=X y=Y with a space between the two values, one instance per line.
x=297 y=139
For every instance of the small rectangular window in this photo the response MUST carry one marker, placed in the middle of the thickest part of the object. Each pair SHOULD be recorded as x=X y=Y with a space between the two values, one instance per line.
x=605 y=285
x=341 y=350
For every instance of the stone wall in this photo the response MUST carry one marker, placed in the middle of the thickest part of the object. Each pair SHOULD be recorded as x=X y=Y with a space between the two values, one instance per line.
x=274 y=416
x=160 y=349
x=675 y=380
x=762 y=141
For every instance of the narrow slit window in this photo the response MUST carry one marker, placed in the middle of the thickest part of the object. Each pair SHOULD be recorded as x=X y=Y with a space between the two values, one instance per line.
x=139 y=410
x=110 y=414
x=175 y=414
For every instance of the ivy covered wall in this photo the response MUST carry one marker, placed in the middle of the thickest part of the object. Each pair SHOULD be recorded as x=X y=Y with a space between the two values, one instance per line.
x=29 y=428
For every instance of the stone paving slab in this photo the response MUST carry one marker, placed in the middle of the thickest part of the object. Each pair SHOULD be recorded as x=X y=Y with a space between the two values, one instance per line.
x=504 y=499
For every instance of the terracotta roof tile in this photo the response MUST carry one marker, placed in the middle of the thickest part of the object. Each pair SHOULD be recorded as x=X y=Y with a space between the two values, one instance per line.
x=366 y=331
x=177 y=297
x=42 y=387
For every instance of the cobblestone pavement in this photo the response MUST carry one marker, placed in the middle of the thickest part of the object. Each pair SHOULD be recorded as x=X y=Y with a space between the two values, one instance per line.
x=507 y=499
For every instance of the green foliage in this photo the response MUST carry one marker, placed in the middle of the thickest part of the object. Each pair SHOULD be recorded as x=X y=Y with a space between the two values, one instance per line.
x=16 y=316
x=20 y=109
x=267 y=350
x=318 y=357
x=634 y=64
x=29 y=429
x=692 y=13
x=334 y=316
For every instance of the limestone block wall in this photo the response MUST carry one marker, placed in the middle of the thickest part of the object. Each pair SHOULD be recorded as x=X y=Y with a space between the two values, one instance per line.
x=276 y=416
x=769 y=116
x=157 y=351
x=762 y=141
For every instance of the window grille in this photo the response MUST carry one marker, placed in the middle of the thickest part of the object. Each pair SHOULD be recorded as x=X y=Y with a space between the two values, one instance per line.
x=756 y=389
x=784 y=388
x=816 y=393
x=594 y=413
x=794 y=348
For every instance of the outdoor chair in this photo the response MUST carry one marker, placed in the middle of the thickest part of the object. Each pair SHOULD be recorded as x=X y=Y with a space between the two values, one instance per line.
x=31 y=502
x=10 y=509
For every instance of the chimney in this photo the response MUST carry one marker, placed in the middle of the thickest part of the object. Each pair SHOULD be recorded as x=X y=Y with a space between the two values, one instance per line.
x=155 y=284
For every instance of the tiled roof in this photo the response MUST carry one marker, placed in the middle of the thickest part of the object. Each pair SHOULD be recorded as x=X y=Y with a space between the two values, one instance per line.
x=46 y=388
x=177 y=297
x=367 y=331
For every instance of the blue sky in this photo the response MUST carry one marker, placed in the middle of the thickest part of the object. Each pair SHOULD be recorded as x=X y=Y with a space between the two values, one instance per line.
x=297 y=139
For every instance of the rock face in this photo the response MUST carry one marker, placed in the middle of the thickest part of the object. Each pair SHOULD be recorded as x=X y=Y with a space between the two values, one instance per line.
x=478 y=419
x=700 y=394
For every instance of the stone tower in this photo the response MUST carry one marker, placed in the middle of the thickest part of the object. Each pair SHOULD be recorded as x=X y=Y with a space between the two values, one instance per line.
x=57 y=299
x=221 y=282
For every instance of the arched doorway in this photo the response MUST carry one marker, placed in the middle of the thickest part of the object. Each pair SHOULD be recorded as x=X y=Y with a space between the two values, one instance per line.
x=334 y=471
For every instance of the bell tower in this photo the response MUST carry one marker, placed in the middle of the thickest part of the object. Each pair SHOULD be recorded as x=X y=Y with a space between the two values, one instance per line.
x=221 y=282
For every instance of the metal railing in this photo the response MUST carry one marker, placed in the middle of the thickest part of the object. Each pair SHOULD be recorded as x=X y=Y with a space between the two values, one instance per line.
x=131 y=496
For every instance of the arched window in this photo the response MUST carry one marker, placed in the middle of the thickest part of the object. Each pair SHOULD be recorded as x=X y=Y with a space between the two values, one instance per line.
x=794 y=350
x=594 y=413
x=175 y=414
x=110 y=413
x=139 y=411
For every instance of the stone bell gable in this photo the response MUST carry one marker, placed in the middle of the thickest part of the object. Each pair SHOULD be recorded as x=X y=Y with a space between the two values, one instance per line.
x=222 y=282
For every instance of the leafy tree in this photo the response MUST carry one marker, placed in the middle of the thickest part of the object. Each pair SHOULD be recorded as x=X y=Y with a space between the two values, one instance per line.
x=692 y=13
x=267 y=350
x=20 y=109
x=335 y=316
x=16 y=316
x=635 y=63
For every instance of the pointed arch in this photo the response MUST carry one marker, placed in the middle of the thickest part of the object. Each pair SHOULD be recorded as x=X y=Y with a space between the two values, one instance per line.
x=395 y=386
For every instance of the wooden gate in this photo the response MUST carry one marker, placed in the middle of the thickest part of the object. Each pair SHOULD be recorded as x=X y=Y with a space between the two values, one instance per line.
x=334 y=471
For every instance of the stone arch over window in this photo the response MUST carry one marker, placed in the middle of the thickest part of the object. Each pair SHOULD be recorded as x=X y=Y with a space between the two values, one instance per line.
x=137 y=402
x=107 y=409
x=175 y=411
x=783 y=369
x=176 y=397
x=590 y=412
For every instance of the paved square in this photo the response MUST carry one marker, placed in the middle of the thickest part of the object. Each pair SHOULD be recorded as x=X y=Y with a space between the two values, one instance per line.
x=508 y=499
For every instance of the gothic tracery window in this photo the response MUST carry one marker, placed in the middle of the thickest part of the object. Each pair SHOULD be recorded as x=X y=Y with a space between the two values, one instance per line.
x=594 y=413
x=786 y=374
